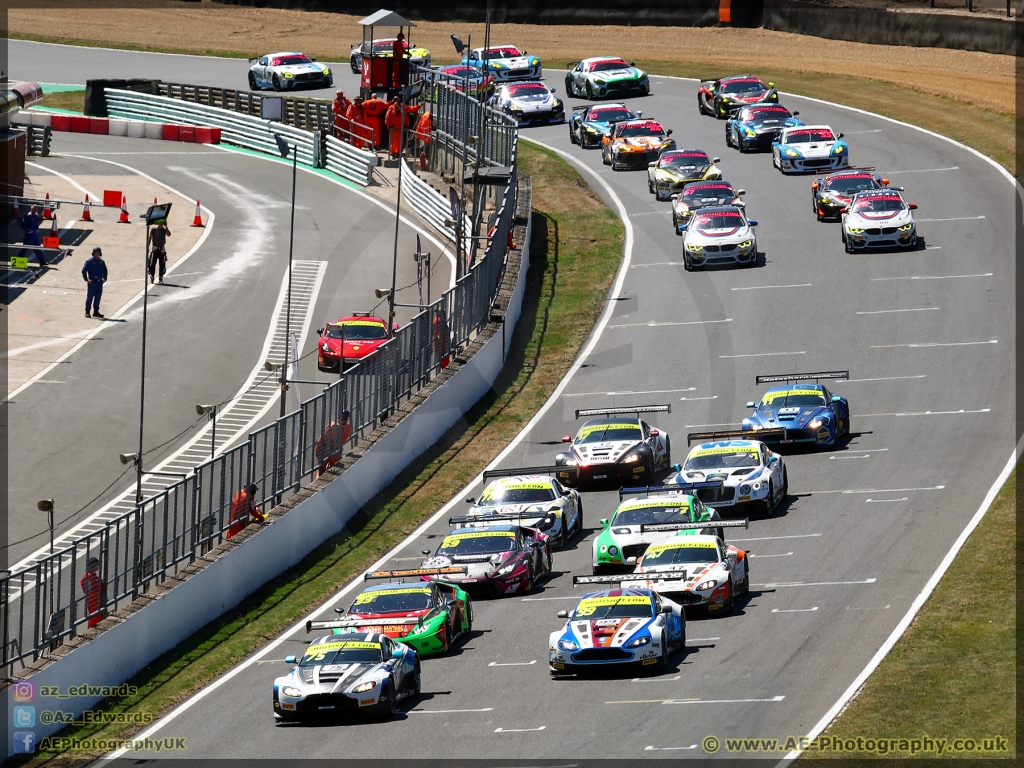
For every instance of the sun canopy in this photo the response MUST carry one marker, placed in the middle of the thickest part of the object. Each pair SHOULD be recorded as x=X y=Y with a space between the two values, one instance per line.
x=385 y=18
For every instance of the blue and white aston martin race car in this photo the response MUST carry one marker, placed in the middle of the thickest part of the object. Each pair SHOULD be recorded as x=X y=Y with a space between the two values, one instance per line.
x=288 y=71
x=804 y=412
x=810 y=148
x=590 y=123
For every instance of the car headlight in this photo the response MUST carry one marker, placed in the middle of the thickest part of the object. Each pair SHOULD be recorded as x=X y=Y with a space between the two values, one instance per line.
x=639 y=641
x=363 y=687
x=744 y=490
x=855 y=231
x=682 y=207
x=568 y=645
x=286 y=74
x=588 y=129
x=633 y=458
x=571 y=462
x=792 y=153
x=705 y=585
x=327 y=70
x=757 y=486
x=726 y=100
x=664 y=176
x=694 y=247
x=750 y=134
x=599 y=81
x=505 y=569
x=839 y=149
x=906 y=227
x=746 y=243
x=817 y=423
x=326 y=347
x=547 y=522
x=290 y=690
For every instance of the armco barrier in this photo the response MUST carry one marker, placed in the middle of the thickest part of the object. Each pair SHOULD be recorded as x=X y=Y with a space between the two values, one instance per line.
x=214 y=585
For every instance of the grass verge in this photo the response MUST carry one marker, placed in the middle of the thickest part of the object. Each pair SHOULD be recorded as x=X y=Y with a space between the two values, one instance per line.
x=952 y=674
x=577 y=244
x=73 y=101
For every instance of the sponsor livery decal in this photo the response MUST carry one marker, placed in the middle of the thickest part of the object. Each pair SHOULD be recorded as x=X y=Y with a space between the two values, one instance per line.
x=656 y=549
x=733 y=450
x=674 y=508
x=770 y=396
x=316 y=650
x=450 y=542
x=587 y=607
x=604 y=428
x=368 y=597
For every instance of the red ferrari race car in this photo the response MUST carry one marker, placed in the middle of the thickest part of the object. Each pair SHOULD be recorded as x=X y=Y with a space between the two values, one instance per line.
x=350 y=340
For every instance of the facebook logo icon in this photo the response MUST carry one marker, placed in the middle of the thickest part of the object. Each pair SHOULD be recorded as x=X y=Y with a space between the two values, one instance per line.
x=24 y=742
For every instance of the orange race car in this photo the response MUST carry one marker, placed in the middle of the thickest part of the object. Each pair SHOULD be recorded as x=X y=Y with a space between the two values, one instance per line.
x=635 y=143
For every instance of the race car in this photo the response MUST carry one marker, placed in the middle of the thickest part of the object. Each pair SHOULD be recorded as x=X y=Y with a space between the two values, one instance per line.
x=702 y=194
x=528 y=103
x=676 y=168
x=530 y=497
x=465 y=79
x=658 y=511
x=504 y=62
x=834 y=192
x=350 y=340
x=808 y=148
x=427 y=616
x=695 y=571
x=752 y=475
x=590 y=123
x=635 y=143
x=385 y=48
x=758 y=125
x=719 y=98
x=500 y=560
x=719 y=235
x=879 y=218
x=345 y=675
x=288 y=71
x=605 y=76
x=806 y=412
x=615 y=628
x=616 y=447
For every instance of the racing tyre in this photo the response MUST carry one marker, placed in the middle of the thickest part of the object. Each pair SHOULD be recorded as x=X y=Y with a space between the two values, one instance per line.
x=668 y=452
x=412 y=684
x=449 y=634
x=662 y=664
x=785 y=484
x=730 y=603
x=686 y=263
x=590 y=92
x=353 y=65
x=469 y=616
x=529 y=578
x=572 y=136
x=742 y=147
x=252 y=82
x=578 y=531
x=277 y=83
x=387 y=709
x=728 y=137
x=848 y=243
x=769 y=502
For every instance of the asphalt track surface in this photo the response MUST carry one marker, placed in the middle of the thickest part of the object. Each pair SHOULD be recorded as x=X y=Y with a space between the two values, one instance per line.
x=864 y=527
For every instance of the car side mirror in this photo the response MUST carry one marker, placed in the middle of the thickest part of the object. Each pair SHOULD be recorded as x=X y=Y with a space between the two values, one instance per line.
x=716 y=159
x=312 y=58
x=773 y=461
x=470 y=500
x=632 y=63
x=572 y=65
x=339 y=610
x=752 y=223
x=566 y=439
x=912 y=206
x=844 y=209
x=639 y=113
x=775 y=143
x=839 y=136
x=425 y=552
x=651 y=165
x=655 y=433
x=750 y=404
x=668 y=132
x=771 y=85
x=319 y=331
x=397 y=653
x=836 y=399
x=604 y=522
x=815 y=185
x=289 y=659
x=666 y=609
x=563 y=614
x=741 y=192
x=796 y=113
x=885 y=182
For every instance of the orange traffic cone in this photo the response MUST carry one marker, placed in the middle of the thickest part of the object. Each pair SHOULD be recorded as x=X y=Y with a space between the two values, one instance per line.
x=198 y=220
x=47 y=213
x=123 y=218
x=86 y=216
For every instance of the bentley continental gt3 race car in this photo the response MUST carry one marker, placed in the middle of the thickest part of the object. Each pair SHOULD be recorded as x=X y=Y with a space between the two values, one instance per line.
x=806 y=412
x=529 y=102
x=500 y=560
x=721 y=235
x=590 y=123
x=635 y=143
x=337 y=676
x=758 y=125
x=809 y=148
x=879 y=218
x=604 y=77
x=719 y=98
x=288 y=71
x=619 y=447
x=530 y=497
x=426 y=616
x=702 y=194
x=350 y=340
x=385 y=48
x=752 y=475
x=831 y=194
x=616 y=628
x=676 y=168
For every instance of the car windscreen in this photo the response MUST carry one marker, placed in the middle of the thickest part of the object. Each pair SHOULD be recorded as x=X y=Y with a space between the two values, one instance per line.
x=723 y=458
x=742 y=86
x=683 y=160
x=477 y=543
x=792 y=398
x=719 y=220
x=350 y=652
x=878 y=205
x=388 y=46
x=623 y=607
x=809 y=136
x=760 y=114
x=358 y=331
x=461 y=72
x=519 y=494
x=666 y=513
x=527 y=89
x=392 y=601
x=505 y=52
x=642 y=129
x=850 y=184
x=600 y=433
x=708 y=194
x=610 y=115
x=605 y=66
x=284 y=61
x=663 y=554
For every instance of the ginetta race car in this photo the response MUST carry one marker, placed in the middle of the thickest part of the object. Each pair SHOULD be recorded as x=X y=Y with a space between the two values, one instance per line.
x=590 y=123
x=719 y=98
x=660 y=512
x=702 y=194
x=288 y=71
x=806 y=412
x=695 y=571
x=721 y=235
x=350 y=340
x=528 y=496
x=385 y=48
x=616 y=627
x=503 y=560
x=605 y=76
x=528 y=102
x=426 y=616
x=635 y=143
x=879 y=218
x=758 y=125
x=676 y=168
x=752 y=475
x=505 y=62
x=339 y=675
x=617 y=447
x=830 y=195
x=809 y=148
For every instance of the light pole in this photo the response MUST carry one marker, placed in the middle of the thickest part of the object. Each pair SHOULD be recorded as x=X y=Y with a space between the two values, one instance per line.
x=283 y=146
x=398 y=203
x=212 y=410
x=46 y=505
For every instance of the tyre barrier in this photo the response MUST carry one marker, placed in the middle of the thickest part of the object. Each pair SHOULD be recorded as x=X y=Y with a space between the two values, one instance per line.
x=113 y=126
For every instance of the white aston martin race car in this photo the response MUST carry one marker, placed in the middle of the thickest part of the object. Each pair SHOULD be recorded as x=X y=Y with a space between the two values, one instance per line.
x=288 y=71
x=719 y=235
x=879 y=218
x=752 y=475
x=529 y=102
x=618 y=448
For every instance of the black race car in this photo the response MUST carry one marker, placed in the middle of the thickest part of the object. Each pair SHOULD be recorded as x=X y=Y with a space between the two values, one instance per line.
x=590 y=123
x=834 y=192
x=700 y=194
x=720 y=98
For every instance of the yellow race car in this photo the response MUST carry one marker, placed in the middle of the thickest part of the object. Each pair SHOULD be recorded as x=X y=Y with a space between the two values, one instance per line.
x=384 y=48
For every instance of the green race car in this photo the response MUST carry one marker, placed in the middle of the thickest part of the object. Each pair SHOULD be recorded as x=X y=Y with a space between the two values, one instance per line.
x=428 y=616
x=605 y=77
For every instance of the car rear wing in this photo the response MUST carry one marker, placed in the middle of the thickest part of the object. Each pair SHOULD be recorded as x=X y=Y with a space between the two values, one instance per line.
x=351 y=623
x=737 y=434
x=471 y=520
x=801 y=376
x=450 y=570
x=514 y=471
x=672 y=576
x=648 y=527
x=675 y=488
x=612 y=411
x=580 y=107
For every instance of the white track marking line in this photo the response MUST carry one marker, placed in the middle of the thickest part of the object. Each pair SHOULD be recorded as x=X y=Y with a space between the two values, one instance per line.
x=761 y=354
x=68 y=179
x=872 y=490
x=921 y=345
x=926 y=413
x=764 y=287
x=921 y=170
x=444 y=711
x=655 y=679
x=885 y=378
x=701 y=639
x=712 y=397
x=851 y=449
x=668 y=749
x=839 y=458
x=852 y=133
x=930 y=277
x=794 y=610
x=759 y=557
x=891 y=311
x=518 y=730
x=883 y=501
x=513 y=664
x=816 y=583
x=956 y=218
x=538 y=599
x=773 y=699
x=654 y=324
x=638 y=392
